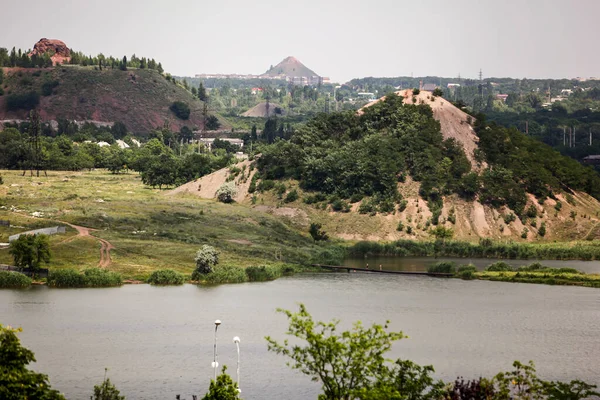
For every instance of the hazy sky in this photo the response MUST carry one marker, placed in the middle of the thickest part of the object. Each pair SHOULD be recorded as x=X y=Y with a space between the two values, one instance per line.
x=342 y=39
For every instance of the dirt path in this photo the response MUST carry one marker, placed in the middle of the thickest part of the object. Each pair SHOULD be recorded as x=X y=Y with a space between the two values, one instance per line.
x=105 y=245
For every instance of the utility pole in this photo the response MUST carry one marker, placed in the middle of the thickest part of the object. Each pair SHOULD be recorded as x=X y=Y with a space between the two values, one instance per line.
x=590 y=136
x=564 y=136
x=574 y=139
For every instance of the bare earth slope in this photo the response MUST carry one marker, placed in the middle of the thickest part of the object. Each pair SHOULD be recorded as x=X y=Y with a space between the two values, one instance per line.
x=140 y=98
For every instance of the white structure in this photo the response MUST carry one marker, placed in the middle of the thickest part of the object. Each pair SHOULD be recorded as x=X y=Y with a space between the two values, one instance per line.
x=122 y=144
x=209 y=141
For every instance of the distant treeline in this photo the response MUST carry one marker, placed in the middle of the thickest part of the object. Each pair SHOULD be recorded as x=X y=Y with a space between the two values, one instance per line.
x=20 y=58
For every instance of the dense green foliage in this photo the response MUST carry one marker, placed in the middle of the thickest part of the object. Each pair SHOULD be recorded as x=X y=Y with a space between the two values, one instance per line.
x=22 y=101
x=180 y=109
x=166 y=277
x=16 y=381
x=20 y=58
x=484 y=249
x=206 y=259
x=30 y=251
x=224 y=388
x=106 y=390
x=91 y=277
x=445 y=267
x=12 y=279
x=346 y=155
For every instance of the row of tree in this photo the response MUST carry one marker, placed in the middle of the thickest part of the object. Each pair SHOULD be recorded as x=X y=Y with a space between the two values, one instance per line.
x=20 y=58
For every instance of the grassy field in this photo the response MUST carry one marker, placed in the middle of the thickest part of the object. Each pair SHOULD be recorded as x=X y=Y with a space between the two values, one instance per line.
x=149 y=229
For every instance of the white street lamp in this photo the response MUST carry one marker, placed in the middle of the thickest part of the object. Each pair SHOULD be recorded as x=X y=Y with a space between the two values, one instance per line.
x=215 y=363
x=236 y=340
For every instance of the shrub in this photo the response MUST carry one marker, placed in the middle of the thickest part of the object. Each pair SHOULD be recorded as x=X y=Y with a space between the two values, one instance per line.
x=524 y=233
x=98 y=277
x=48 y=87
x=446 y=267
x=438 y=92
x=466 y=267
x=531 y=212
x=265 y=185
x=466 y=275
x=226 y=274
x=355 y=198
x=509 y=218
x=367 y=206
x=166 y=277
x=92 y=277
x=263 y=273
x=542 y=230
x=226 y=192
x=573 y=214
x=317 y=233
x=291 y=196
x=558 y=206
x=11 y=279
x=180 y=109
x=499 y=266
x=206 y=259
x=570 y=199
x=65 y=278
x=280 y=190
x=400 y=227
x=402 y=205
x=24 y=101
x=416 y=91
x=409 y=230
x=340 y=205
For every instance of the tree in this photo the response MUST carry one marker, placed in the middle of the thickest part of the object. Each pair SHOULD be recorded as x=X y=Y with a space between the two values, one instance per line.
x=30 y=251
x=180 y=109
x=226 y=192
x=441 y=232
x=202 y=92
x=223 y=389
x=317 y=233
x=346 y=364
x=107 y=391
x=253 y=135
x=206 y=258
x=16 y=381
x=212 y=123
x=123 y=65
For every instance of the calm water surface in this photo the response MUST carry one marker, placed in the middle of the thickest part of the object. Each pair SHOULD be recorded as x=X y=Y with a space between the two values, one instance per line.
x=157 y=342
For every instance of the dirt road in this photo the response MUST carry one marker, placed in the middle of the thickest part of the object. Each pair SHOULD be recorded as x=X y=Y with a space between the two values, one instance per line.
x=105 y=245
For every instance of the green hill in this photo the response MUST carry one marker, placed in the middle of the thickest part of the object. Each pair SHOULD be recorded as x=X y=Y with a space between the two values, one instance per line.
x=140 y=98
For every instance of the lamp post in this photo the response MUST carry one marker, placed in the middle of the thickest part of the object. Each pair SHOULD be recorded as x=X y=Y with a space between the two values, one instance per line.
x=215 y=363
x=236 y=340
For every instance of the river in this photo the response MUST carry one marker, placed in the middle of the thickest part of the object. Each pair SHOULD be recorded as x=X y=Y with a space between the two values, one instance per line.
x=158 y=341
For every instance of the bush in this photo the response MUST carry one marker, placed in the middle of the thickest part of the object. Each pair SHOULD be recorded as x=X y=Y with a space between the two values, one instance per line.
x=499 y=266
x=226 y=192
x=340 y=205
x=466 y=267
x=367 y=207
x=402 y=205
x=15 y=280
x=355 y=198
x=558 y=206
x=291 y=196
x=24 y=101
x=466 y=275
x=446 y=267
x=226 y=274
x=180 y=109
x=98 y=277
x=265 y=185
x=400 y=227
x=542 y=231
x=206 y=259
x=509 y=218
x=263 y=273
x=524 y=233
x=166 y=277
x=92 y=277
x=438 y=92
x=531 y=212
x=416 y=91
x=317 y=233
x=48 y=87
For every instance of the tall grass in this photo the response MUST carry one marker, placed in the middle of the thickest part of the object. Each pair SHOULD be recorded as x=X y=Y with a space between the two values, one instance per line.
x=262 y=273
x=444 y=267
x=226 y=274
x=15 y=280
x=166 y=277
x=92 y=277
x=484 y=249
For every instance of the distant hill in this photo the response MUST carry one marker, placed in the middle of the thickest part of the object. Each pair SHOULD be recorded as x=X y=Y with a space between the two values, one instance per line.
x=140 y=98
x=290 y=67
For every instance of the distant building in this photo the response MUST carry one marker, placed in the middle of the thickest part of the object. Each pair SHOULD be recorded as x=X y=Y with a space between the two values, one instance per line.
x=592 y=159
x=430 y=87
x=502 y=97
x=209 y=141
x=453 y=85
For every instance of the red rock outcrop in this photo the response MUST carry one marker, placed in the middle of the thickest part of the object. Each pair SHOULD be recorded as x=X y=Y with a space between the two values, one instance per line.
x=59 y=51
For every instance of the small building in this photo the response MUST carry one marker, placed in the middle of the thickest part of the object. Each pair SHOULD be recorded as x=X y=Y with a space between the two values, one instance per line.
x=430 y=87
x=208 y=142
x=592 y=159
x=502 y=97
